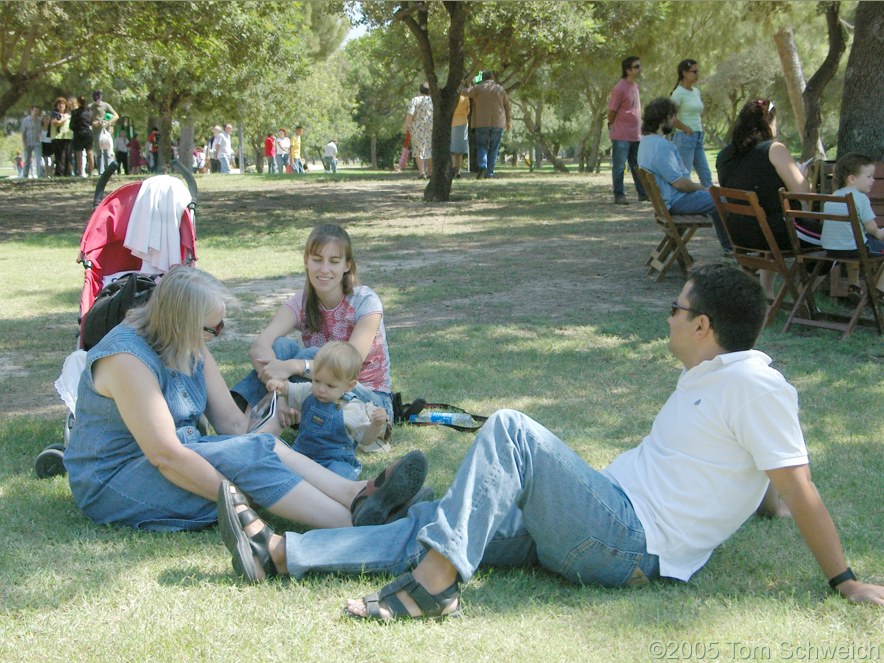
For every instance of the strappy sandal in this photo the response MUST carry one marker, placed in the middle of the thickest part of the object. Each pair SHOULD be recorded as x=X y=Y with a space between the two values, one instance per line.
x=432 y=606
x=383 y=496
x=243 y=548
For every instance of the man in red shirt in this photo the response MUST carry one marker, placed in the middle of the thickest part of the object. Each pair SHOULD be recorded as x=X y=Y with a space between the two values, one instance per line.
x=624 y=128
x=270 y=153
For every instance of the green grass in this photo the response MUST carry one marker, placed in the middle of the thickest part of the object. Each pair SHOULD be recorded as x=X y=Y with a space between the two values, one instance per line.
x=526 y=292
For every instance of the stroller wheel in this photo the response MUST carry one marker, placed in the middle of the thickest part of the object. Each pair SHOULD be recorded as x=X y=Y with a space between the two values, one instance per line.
x=50 y=462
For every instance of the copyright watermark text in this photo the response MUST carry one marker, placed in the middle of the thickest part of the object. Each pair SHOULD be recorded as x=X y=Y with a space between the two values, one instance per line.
x=673 y=650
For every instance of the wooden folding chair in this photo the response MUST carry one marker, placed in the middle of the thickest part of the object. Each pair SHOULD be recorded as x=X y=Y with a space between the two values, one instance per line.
x=736 y=206
x=677 y=231
x=870 y=266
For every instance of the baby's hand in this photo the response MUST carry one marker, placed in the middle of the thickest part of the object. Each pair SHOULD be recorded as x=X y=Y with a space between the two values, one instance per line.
x=379 y=416
x=279 y=386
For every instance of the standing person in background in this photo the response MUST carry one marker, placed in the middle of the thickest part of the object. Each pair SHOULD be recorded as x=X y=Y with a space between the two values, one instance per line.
x=135 y=159
x=688 y=136
x=81 y=144
x=330 y=158
x=103 y=117
x=624 y=128
x=121 y=150
x=46 y=140
x=31 y=145
x=297 y=164
x=270 y=152
x=419 y=123
x=282 y=145
x=153 y=149
x=491 y=115
x=60 y=129
x=224 y=148
x=459 y=134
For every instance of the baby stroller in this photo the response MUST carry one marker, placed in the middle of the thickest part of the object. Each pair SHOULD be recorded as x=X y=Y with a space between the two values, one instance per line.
x=108 y=257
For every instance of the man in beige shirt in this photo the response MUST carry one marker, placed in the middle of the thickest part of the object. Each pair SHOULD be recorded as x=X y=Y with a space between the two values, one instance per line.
x=491 y=114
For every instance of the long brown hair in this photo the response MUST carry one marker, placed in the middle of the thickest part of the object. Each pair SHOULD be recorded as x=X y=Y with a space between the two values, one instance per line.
x=321 y=236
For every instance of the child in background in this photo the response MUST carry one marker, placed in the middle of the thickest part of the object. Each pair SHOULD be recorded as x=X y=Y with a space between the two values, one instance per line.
x=854 y=173
x=334 y=422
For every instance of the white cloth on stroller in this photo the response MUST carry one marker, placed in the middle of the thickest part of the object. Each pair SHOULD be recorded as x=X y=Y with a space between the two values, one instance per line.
x=153 y=231
x=69 y=381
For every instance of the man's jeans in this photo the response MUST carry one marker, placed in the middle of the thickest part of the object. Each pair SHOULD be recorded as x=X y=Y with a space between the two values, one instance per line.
x=33 y=160
x=521 y=497
x=487 y=146
x=700 y=202
x=693 y=156
x=297 y=166
x=224 y=161
x=623 y=151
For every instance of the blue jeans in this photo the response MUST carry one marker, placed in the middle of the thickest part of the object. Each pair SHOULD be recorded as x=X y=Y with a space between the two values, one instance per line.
x=521 y=497
x=253 y=390
x=282 y=162
x=623 y=151
x=33 y=162
x=224 y=161
x=487 y=147
x=700 y=202
x=691 y=150
x=297 y=166
x=330 y=164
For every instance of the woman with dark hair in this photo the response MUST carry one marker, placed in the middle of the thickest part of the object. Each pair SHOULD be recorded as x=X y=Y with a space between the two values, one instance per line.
x=755 y=161
x=332 y=306
x=688 y=136
x=419 y=123
x=136 y=455
x=81 y=126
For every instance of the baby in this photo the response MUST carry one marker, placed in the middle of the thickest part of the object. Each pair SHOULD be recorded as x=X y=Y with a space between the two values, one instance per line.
x=334 y=422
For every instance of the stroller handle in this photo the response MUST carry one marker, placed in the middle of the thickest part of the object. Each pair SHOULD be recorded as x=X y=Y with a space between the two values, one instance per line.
x=189 y=179
x=112 y=167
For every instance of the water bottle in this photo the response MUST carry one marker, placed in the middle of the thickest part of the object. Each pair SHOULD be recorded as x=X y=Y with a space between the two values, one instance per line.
x=449 y=418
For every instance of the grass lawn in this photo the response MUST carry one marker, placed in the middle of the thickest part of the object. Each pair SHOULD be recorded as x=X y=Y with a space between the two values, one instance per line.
x=529 y=292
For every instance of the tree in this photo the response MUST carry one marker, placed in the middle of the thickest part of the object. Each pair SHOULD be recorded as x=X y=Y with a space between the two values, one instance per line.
x=861 y=128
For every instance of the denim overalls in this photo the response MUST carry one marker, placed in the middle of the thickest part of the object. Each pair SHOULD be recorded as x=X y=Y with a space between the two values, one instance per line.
x=323 y=437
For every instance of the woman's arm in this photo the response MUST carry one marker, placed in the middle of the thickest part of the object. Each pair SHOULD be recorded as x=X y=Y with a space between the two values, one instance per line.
x=139 y=399
x=408 y=119
x=364 y=332
x=787 y=169
x=261 y=354
x=225 y=417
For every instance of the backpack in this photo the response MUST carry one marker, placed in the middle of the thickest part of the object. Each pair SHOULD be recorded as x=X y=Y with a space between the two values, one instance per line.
x=111 y=304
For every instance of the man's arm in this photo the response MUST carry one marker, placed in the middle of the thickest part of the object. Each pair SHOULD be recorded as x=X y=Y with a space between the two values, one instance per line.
x=815 y=524
x=686 y=185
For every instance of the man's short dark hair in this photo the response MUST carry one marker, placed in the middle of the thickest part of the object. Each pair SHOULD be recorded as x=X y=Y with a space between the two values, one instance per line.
x=733 y=300
x=96 y=94
x=487 y=75
x=627 y=63
x=656 y=113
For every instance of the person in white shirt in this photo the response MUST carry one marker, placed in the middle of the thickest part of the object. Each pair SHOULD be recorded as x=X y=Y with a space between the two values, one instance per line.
x=330 y=157
x=223 y=148
x=522 y=497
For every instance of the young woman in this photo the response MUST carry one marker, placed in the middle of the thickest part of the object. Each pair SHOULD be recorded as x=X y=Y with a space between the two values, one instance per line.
x=61 y=137
x=755 y=161
x=332 y=306
x=136 y=456
x=688 y=136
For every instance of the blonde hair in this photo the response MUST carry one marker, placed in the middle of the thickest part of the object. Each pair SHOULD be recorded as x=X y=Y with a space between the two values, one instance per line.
x=172 y=321
x=341 y=358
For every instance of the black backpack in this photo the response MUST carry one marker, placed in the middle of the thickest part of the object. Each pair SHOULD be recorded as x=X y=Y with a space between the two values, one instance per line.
x=403 y=413
x=111 y=304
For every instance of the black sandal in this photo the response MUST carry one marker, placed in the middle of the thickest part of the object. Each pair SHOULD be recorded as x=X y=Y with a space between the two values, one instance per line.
x=432 y=606
x=243 y=548
x=380 y=501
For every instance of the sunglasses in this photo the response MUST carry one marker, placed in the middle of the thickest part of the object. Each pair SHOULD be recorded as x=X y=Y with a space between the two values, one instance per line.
x=637 y=65
x=216 y=330
x=676 y=307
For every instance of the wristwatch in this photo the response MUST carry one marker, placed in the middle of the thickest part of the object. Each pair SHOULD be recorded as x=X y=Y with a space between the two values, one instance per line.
x=841 y=577
x=308 y=368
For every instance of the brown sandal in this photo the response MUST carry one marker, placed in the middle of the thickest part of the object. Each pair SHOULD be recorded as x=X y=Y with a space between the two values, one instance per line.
x=432 y=606
x=380 y=501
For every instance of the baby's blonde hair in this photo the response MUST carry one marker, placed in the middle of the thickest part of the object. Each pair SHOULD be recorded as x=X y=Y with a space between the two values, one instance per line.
x=341 y=358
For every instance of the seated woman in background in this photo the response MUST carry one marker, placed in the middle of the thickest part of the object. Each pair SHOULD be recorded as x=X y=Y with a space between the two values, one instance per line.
x=136 y=456
x=755 y=161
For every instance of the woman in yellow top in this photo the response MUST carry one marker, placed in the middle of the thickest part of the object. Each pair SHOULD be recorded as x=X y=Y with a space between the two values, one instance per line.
x=459 y=134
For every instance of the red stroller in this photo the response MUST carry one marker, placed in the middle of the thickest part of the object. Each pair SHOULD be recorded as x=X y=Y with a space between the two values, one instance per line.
x=104 y=257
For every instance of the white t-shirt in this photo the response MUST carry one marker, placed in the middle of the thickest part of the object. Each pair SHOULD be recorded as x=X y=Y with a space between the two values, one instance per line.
x=699 y=474
x=331 y=150
x=837 y=235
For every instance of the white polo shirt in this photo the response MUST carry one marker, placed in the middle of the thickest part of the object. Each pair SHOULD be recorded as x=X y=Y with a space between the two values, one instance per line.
x=699 y=474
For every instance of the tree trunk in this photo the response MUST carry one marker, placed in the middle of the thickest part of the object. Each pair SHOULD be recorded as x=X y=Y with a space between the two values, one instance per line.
x=810 y=138
x=598 y=126
x=861 y=128
x=792 y=73
x=533 y=125
x=415 y=15
x=374 y=151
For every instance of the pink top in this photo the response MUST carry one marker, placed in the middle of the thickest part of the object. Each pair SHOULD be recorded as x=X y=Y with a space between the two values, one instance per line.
x=337 y=325
x=625 y=99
